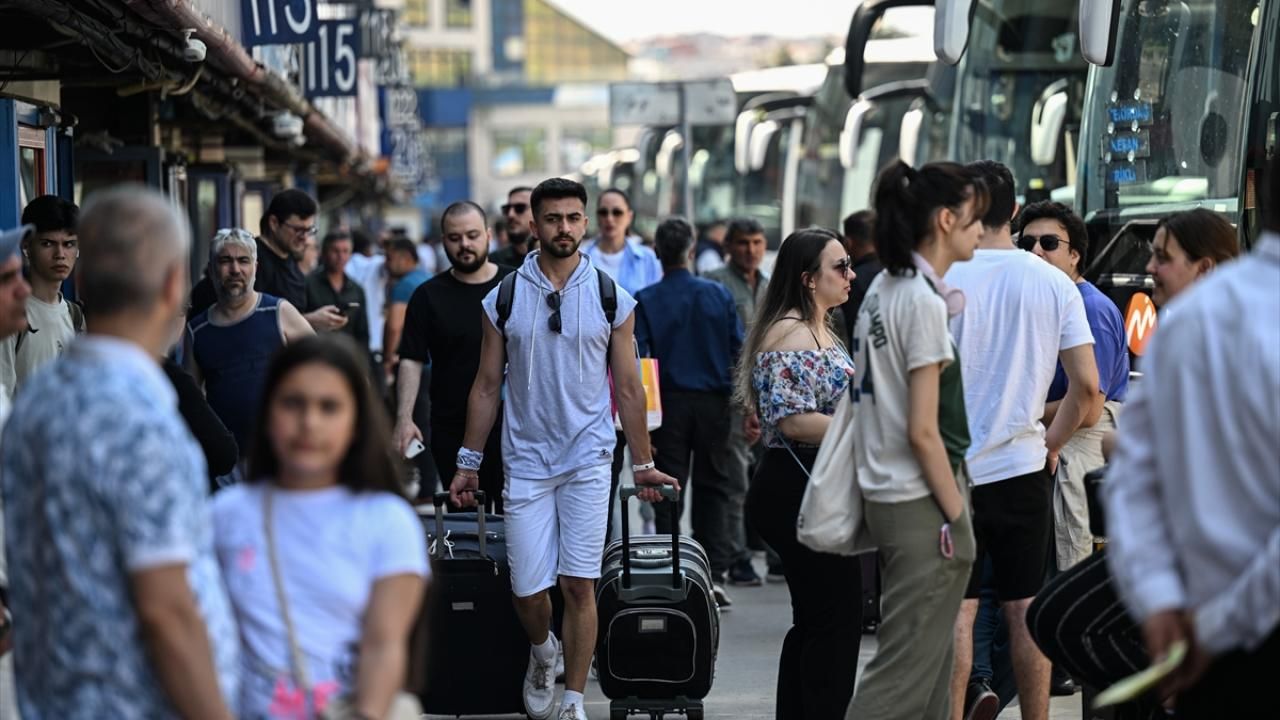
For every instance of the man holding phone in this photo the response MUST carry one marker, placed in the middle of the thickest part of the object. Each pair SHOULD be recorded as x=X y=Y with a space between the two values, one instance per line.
x=443 y=326
x=330 y=285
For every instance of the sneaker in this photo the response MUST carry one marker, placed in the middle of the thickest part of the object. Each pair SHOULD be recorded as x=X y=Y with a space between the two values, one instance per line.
x=980 y=701
x=539 y=686
x=744 y=575
x=775 y=574
x=559 y=662
x=572 y=712
x=1061 y=684
x=722 y=597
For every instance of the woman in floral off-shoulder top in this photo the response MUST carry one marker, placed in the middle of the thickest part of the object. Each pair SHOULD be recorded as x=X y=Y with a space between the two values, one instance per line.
x=793 y=370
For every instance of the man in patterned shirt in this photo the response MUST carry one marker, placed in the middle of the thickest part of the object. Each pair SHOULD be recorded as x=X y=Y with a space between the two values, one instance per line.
x=111 y=565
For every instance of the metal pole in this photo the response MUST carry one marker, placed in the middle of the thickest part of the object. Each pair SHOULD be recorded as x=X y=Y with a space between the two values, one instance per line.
x=686 y=152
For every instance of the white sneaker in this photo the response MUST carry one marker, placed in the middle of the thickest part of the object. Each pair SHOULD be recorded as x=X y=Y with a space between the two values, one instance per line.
x=559 y=661
x=572 y=712
x=540 y=687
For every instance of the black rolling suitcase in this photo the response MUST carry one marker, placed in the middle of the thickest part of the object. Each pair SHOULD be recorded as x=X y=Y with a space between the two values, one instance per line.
x=659 y=624
x=473 y=652
x=869 y=565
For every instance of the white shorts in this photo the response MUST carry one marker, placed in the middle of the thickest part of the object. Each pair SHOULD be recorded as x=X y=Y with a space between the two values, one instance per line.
x=555 y=527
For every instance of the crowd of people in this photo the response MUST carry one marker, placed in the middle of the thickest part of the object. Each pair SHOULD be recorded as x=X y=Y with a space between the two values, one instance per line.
x=204 y=493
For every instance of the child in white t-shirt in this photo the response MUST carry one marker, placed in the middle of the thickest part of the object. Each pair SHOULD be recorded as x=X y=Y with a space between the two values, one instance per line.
x=324 y=560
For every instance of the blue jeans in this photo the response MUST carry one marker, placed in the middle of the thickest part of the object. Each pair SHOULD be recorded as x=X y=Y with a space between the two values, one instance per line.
x=991 y=659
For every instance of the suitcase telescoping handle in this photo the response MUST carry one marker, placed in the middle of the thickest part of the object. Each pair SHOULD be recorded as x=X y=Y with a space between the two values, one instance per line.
x=440 y=498
x=670 y=494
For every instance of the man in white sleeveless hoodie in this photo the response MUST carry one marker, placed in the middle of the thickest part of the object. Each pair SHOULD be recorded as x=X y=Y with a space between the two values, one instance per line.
x=557 y=435
x=1021 y=316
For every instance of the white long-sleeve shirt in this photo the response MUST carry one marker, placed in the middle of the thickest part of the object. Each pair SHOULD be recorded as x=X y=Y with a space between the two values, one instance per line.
x=1193 y=493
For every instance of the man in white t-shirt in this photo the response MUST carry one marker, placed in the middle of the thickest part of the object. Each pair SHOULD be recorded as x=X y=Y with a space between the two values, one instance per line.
x=1021 y=316
x=52 y=321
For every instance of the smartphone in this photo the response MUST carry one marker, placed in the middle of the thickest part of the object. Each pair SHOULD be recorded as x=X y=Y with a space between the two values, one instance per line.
x=415 y=449
x=348 y=308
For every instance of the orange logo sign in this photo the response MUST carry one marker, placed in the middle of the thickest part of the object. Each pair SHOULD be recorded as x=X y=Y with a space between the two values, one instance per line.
x=1139 y=322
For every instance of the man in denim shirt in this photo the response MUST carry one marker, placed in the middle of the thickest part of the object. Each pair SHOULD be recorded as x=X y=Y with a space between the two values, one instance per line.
x=111 y=565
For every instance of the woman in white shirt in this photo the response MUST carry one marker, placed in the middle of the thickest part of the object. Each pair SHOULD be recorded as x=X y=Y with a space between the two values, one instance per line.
x=912 y=434
x=324 y=559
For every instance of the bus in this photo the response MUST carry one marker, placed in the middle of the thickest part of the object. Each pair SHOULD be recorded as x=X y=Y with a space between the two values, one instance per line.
x=846 y=142
x=1015 y=95
x=1182 y=110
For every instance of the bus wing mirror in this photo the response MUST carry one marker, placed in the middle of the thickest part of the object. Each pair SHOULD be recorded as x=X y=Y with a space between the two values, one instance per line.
x=1099 y=20
x=851 y=134
x=951 y=29
x=1047 y=121
x=760 y=138
x=909 y=135
x=742 y=141
x=860 y=27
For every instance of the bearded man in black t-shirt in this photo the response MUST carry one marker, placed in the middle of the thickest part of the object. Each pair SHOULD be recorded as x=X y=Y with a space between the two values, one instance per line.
x=443 y=327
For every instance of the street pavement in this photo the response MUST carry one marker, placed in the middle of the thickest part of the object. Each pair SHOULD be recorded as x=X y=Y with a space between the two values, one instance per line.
x=751 y=635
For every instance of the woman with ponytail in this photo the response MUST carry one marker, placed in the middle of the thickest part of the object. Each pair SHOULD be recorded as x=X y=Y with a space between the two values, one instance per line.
x=912 y=434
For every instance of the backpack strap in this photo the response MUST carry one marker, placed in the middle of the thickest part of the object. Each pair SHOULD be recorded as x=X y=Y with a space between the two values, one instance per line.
x=77 y=316
x=608 y=296
x=506 y=298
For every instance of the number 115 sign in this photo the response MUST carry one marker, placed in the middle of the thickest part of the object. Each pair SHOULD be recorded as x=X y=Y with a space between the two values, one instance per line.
x=329 y=61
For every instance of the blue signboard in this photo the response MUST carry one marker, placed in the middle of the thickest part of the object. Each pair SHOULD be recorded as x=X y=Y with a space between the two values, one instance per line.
x=278 y=22
x=329 y=61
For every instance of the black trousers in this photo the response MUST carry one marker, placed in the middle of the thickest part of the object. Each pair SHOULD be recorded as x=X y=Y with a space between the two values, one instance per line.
x=695 y=430
x=445 y=441
x=819 y=660
x=1081 y=625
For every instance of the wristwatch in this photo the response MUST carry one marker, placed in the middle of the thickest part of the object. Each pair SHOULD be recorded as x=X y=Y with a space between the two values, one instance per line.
x=641 y=468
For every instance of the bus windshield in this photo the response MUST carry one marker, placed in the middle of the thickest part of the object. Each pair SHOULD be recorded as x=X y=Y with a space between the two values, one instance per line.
x=1020 y=53
x=1166 y=119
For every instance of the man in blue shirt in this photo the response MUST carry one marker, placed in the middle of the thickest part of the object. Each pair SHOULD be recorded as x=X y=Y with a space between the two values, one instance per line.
x=1055 y=233
x=691 y=326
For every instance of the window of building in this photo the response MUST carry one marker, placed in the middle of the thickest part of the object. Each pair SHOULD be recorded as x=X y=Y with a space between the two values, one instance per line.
x=457 y=13
x=440 y=68
x=417 y=12
x=447 y=147
x=518 y=151
x=578 y=145
x=560 y=50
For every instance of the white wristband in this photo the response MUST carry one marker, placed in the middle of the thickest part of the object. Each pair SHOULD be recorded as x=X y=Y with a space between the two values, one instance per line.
x=641 y=468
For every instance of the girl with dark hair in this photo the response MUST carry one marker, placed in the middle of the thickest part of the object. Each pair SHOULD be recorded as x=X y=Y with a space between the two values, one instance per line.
x=912 y=434
x=792 y=372
x=616 y=250
x=325 y=561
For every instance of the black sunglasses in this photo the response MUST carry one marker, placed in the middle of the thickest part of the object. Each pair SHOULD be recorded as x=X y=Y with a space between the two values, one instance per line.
x=519 y=208
x=553 y=322
x=616 y=212
x=843 y=265
x=1048 y=242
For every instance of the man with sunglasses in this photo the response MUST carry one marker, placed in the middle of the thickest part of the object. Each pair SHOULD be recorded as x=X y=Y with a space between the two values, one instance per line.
x=1021 y=317
x=555 y=340
x=1053 y=232
x=518 y=218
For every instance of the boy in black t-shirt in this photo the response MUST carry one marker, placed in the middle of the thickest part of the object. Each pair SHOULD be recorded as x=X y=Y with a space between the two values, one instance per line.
x=443 y=327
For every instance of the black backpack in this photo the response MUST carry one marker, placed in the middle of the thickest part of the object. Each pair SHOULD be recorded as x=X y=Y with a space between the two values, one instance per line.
x=507 y=296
